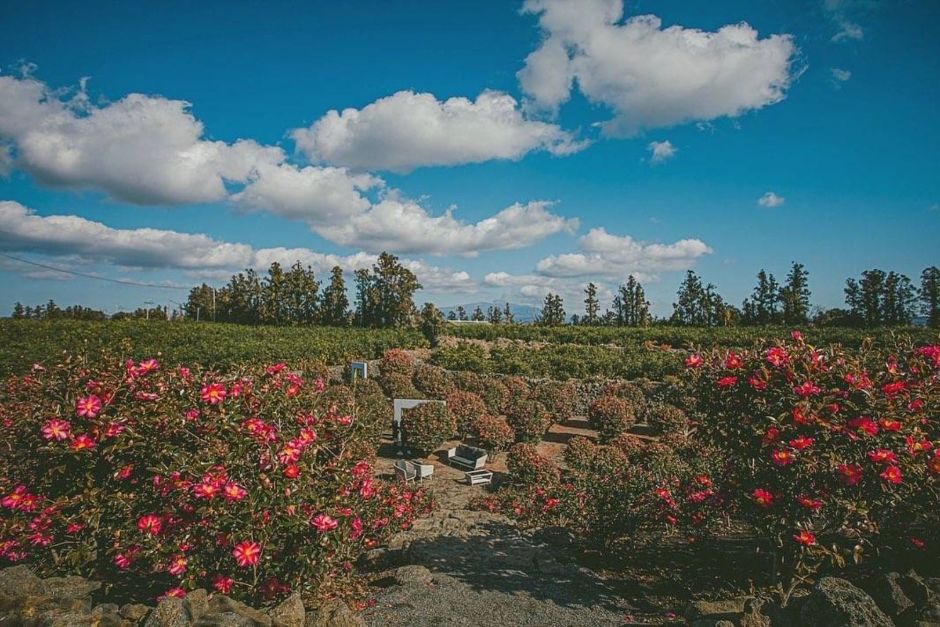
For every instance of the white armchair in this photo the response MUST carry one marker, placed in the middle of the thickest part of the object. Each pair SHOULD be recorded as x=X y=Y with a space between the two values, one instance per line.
x=405 y=470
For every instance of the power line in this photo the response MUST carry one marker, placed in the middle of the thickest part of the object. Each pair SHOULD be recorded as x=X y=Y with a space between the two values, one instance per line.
x=92 y=276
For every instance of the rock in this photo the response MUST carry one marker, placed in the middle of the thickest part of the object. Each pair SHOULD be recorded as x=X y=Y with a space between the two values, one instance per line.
x=224 y=619
x=753 y=615
x=196 y=603
x=106 y=615
x=20 y=581
x=134 y=611
x=725 y=609
x=70 y=587
x=916 y=588
x=333 y=613
x=887 y=592
x=835 y=602
x=412 y=575
x=222 y=605
x=289 y=613
x=170 y=612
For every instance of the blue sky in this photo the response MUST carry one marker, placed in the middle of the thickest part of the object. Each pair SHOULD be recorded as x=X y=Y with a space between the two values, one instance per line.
x=536 y=124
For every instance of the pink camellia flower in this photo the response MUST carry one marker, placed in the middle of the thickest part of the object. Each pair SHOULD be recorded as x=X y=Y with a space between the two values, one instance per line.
x=191 y=415
x=733 y=361
x=82 y=443
x=893 y=389
x=763 y=497
x=114 y=429
x=796 y=336
x=777 y=357
x=863 y=424
x=757 y=383
x=319 y=385
x=15 y=499
x=222 y=584
x=892 y=474
x=851 y=473
x=694 y=361
x=234 y=492
x=323 y=523
x=291 y=471
x=806 y=538
x=56 y=429
x=124 y=472
x=88 y=406
x=356 y=526
x=782 y=457
x=147 y=366
x=247 y=553
x=122 y=561
x=177 y=565
x=205 y=490
x=275 y=368
x=801 y=442
x=727 y=382
x=178 y=593
x=183 y=372
x=882 y=456
x=916 y=447
x=213 y=393
x=889 y=424
x=808 y=388
x=149 y=524
x=809 y=502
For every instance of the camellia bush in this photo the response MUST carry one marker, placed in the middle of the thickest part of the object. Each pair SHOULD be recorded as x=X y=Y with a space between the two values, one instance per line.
x=493 y=434
x=611 y=415
x=163 y=480
x=529 y=419
x=426 y=427
x=835 y=453
x=433 y=381
x=465 y=408
x=557 y=397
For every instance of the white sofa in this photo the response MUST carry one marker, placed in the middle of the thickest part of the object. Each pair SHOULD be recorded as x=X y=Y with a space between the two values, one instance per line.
x=469 y=457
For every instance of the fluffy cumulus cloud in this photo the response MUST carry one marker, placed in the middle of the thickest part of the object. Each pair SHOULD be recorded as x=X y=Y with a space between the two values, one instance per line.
x=408 y=130
x=839 y=75
x=648 y=75
x=141 y=149
x=23 y=230
x=405 y=226
x=605 y=254
x=152 y=150
x=661 y=151
x=770 y=200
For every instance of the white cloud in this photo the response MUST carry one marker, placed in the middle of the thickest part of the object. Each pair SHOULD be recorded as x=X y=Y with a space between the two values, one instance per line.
x=648 y=75
x=848 y=30
x=6 y=160
x=142 y=149
x=604 y=254
x=21 y=229
x=661 y=151
x=405 y=226
x=839 y=75
x=770 y=199
x=152 y=150
x=408 y=130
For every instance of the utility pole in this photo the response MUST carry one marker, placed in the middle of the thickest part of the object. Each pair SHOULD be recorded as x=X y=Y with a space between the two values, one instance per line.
x=148 y=302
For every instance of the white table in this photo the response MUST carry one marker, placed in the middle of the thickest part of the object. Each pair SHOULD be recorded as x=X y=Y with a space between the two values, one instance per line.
x=479 y=477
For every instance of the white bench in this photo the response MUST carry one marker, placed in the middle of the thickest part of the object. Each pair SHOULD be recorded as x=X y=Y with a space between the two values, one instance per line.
x=469 y=457
x=479 y=477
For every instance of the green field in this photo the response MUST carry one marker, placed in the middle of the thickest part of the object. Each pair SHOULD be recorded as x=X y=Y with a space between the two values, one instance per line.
x=216 y=345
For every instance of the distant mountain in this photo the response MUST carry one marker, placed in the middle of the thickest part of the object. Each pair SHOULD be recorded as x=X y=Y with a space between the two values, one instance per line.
x=521 y=313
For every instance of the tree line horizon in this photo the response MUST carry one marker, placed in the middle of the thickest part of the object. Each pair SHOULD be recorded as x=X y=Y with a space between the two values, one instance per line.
x=384 y=297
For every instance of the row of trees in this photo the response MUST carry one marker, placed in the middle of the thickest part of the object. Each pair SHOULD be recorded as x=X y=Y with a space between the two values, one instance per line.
x=384 y=297
x=51 y=311
x=877 y=298
x=493 y=314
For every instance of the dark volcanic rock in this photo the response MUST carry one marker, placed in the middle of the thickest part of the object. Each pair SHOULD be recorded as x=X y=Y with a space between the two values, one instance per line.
x=835 y=602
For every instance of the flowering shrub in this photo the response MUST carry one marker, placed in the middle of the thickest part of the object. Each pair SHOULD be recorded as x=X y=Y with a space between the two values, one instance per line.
x=398 y=385
x=495 y=395
x=667 y=418
x=834 y=452
x=469 y=382
x=433 y=381
x=611 y=416
x=558 y=398
x=493 y=433
x=527 y=467
x=396 y=361
x=252 y=484
x=579 y=453
x=427 y=426
x=517 y=389
x=465 y=408
x=529 y=419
